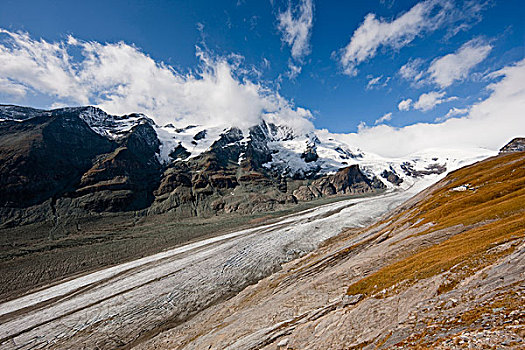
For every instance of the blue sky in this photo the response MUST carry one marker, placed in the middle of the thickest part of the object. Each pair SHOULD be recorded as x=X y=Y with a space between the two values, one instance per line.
x=258 y=39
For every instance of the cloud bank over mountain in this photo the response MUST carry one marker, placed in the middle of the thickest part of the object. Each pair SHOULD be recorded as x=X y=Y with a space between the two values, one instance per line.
x=122 y=79
x=489 y=123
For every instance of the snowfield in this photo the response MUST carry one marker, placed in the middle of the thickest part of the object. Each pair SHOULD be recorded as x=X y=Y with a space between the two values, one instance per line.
x=121 y=304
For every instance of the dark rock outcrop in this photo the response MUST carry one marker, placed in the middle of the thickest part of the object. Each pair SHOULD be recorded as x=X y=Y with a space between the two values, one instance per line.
x=429 y=170
x=310 y=155
x=346 y=181
x=257 y=151
x=58 y=164
x=179 y=153
x=392 y=177
x=200 y=135
x=124 y=179
x=516 y=145
x=45 y=157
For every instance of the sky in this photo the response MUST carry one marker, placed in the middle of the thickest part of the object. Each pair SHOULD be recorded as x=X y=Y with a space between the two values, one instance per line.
x=378 y=71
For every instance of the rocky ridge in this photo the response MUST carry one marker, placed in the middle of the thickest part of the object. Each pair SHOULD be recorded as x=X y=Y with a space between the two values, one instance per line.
x=515 y=145
x=77 y=162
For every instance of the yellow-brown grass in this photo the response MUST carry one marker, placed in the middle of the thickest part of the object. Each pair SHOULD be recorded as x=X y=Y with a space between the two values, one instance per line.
x=498 y=189
x=493 y=213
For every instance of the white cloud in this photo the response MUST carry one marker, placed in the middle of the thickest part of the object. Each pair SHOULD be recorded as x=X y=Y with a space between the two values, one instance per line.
x=373 y=81
x=455 y=66
x=445 y=70
x=405 y=104
x=489 y=124
x=425 y=16
x=14 y=90
x=376 y=82
x=40 y=65
x=121 y=79
x=412 y=71
x=454 y=112
x=384 y=118
x=293 y=70
x=387 y=3
x=374 y=33
x=296 y=25
x=429 y=100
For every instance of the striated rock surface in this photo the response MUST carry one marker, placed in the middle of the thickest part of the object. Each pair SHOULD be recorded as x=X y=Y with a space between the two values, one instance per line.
x=446 y=270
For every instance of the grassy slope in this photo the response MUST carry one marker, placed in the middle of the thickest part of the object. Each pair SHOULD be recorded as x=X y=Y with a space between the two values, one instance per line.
x=492 y=212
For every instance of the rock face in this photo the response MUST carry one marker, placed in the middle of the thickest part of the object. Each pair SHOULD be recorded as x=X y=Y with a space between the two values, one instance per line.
x=346 y=181
x=310 y=155
x=124 y=179
x=392 y=177
x=516 y=145
x=217 y=182
x=45 y=157
x=429 y=170
x=55 y=164
x=72 y=162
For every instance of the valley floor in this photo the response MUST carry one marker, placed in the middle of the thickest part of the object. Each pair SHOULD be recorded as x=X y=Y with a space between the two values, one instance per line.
x=127 y=304
x=35 y=255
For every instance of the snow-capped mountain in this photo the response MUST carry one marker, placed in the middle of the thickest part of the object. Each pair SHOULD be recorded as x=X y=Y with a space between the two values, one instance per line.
x=292 y=154
x=115 y=163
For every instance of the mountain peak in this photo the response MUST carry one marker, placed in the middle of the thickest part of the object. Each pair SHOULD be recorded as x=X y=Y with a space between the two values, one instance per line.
x=515 y=145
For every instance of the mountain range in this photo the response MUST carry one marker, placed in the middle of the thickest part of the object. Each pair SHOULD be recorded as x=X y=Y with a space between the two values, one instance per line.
x=81 y=161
